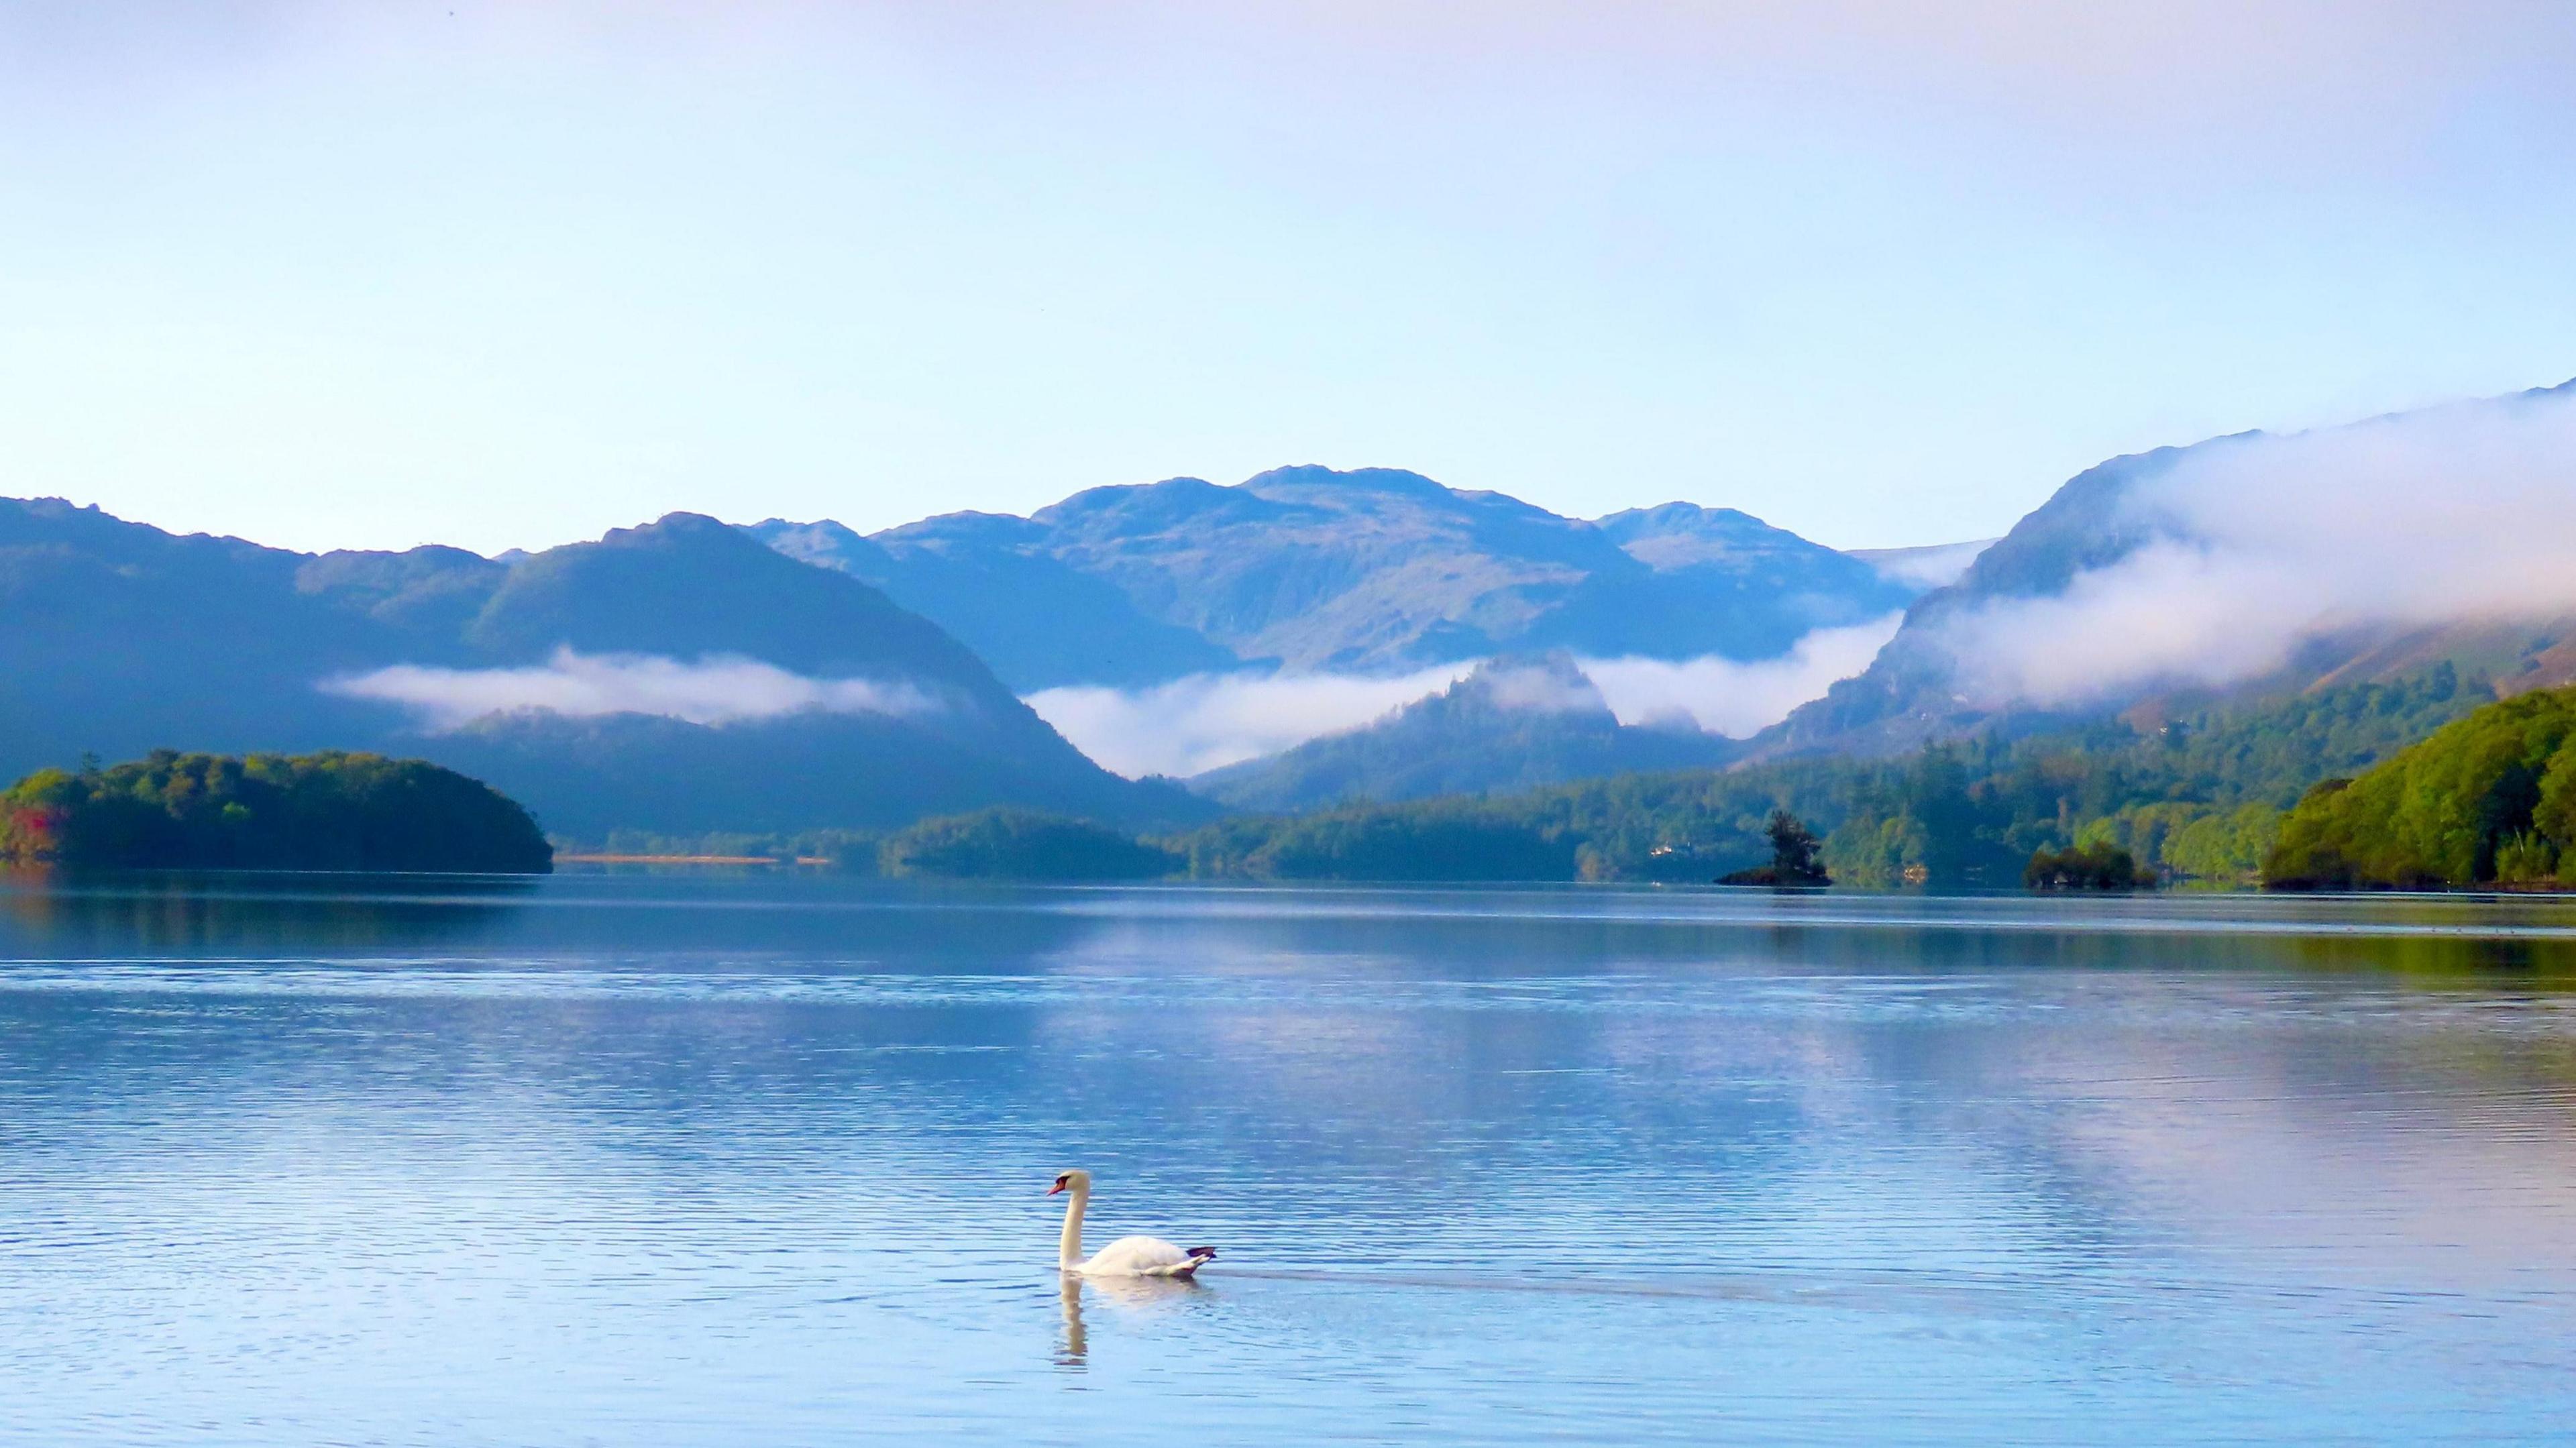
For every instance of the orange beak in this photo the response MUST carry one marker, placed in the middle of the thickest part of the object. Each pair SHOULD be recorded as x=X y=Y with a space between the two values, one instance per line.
x=1051 y=1191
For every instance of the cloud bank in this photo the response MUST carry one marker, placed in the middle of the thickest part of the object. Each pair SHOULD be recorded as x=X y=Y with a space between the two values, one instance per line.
x=714 y=690
x=1540 y=690
x=1733 y=697
x=2460 y=514
x=1207 y=721
x=1936 y=566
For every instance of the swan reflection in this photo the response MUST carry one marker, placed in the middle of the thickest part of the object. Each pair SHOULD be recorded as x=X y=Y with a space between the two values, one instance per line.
x=1121 y=1295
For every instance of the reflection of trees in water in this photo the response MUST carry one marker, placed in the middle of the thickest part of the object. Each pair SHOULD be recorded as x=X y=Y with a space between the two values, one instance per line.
x=683 y=1002
x=2075 y=1063
x=1362 y=1069
x=188 y=913
x=1393 y=934
x=2478 y=961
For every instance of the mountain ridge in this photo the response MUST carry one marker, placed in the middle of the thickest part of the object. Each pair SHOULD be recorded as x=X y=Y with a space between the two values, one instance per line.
x=126 y=638
x=1308 y=568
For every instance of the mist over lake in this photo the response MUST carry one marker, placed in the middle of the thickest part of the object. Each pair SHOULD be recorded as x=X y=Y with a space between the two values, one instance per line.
x=706 y=1158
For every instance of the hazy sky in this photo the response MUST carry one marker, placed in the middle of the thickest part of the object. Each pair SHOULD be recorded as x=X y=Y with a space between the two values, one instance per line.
x=372 y=274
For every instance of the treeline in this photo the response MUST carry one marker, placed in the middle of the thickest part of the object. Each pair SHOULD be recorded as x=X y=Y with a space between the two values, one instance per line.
x=327 y=811
x=2195 y=797
x=991 y=844
x=2105 y=804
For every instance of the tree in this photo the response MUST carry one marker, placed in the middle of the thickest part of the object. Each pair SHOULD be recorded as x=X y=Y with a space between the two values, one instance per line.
x=2102 y=866
x=1793 y=857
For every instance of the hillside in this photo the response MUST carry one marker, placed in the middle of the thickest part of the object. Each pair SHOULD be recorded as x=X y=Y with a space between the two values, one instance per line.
x=2489 y=800
x=676 y=676
x=1514 y=724
x=1367 y=570
x=1942 y=677
x=1036 y=620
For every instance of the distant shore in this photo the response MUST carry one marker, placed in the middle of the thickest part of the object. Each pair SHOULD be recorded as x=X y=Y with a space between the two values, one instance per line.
x=693 y=859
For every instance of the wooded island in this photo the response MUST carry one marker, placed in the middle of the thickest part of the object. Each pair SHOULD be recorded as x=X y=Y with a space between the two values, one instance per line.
x=325 y=811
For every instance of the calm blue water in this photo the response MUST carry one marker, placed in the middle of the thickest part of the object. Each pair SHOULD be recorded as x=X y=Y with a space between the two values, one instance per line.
x=686 y=1160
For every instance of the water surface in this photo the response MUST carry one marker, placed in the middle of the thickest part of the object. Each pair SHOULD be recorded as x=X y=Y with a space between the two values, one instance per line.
x=656 y=1159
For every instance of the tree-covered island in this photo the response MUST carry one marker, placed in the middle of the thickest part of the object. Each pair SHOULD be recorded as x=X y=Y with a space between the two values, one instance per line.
x=326 y=811
x=1794 y=863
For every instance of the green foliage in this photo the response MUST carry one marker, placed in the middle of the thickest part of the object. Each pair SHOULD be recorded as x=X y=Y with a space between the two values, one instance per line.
x=2191 y=839
x=854 y=851
x=1016 y=844
x=2527 y=859
x=1447 y=839
x=2098 y=866
x=2483 y=801
x=2200 y=796
x=328 y=811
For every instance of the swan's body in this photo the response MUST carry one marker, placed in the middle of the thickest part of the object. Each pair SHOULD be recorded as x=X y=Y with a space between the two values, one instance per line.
x=1126 y=1257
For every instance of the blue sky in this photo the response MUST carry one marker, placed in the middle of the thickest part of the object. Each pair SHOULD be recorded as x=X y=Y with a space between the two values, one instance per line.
x=1880 y=272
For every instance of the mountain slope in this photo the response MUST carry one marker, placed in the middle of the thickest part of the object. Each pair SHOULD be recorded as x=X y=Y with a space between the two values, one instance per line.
x=1930 y=681
x=689 y=586
x=124 y=638
x=1909 y=693
x=1375 y=568
x=1370 y=570
x=988 y=580
x=1719 y=582
x=1513 y=724
x=121 y=638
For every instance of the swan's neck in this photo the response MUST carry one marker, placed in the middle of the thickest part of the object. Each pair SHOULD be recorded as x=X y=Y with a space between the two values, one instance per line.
x=1070 y=1252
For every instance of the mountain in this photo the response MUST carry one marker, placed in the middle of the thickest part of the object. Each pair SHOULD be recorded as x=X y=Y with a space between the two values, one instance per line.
x=1036 y=620
x=1716 y=581
x=691 y=587
x=122 y=638
x=1909 y=694
x=569 y=679
x=1515 y=723
x=1370 y=570
x=1931 y=682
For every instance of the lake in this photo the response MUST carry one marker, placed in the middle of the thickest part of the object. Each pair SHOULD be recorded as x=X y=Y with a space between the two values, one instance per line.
x=713 y=1159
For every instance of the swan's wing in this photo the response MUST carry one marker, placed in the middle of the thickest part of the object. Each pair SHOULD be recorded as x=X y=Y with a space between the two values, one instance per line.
x=1146 y=1257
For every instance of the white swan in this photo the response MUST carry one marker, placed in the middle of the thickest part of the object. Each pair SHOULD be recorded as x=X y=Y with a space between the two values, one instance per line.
x=1126 y=1257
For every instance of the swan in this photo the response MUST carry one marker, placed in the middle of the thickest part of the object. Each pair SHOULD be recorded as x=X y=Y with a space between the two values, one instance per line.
x=1126 y=1257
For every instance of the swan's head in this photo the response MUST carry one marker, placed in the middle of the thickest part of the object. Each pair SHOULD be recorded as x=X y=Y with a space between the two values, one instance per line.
x=1071 y=1181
